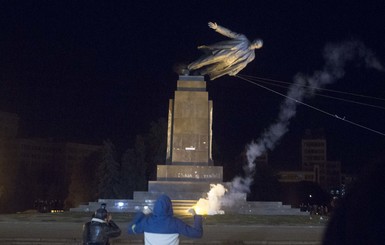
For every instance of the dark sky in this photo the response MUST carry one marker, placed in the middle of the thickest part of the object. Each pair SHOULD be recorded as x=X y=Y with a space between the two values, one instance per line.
x=91 y=70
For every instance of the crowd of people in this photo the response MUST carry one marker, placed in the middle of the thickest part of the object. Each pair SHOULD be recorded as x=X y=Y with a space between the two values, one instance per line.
x=45 y=206
x=322 y=210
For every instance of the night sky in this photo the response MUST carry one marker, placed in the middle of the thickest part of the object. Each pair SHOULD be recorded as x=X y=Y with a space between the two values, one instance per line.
x=87 y=71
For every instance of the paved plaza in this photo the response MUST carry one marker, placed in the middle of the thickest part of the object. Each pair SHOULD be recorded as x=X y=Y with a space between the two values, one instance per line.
x=54 y=232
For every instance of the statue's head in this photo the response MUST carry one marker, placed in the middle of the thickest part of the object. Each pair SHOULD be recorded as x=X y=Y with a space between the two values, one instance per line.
x=256 y=44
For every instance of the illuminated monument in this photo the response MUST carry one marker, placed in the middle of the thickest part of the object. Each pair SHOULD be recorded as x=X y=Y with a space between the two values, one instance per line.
x=189 y=168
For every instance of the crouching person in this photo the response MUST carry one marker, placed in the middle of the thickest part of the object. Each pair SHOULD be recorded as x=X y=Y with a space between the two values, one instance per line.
x=161 y=227
x=100 y=229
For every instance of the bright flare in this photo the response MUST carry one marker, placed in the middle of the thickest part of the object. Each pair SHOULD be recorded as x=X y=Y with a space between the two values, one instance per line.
x=212 y=204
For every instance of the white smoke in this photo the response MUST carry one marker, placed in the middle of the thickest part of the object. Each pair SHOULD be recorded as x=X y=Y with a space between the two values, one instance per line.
x=212 y=204
x=336 y=57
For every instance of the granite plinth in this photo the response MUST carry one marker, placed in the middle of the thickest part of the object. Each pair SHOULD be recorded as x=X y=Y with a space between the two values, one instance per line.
x=193 y=173
x=144 y=195
x=189 y=123
x=179 y=186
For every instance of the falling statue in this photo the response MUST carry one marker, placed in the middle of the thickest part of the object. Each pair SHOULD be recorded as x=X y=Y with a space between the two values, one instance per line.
x=226 y=57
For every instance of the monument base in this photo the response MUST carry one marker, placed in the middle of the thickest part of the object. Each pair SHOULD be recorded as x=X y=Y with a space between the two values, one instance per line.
x=181 y=206
x=190 y=171
x=185 y=185
x=180 y=186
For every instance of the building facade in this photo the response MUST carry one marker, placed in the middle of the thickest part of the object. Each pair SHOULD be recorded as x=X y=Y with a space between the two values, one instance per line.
x=315 y=166
x=35 y=168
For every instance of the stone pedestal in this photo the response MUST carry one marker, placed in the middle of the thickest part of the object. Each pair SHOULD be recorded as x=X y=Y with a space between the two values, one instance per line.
x=189 y=169
x=189 y=166
x=189 y=137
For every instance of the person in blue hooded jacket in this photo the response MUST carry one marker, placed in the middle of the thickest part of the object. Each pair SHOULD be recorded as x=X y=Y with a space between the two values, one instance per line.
x=161 y=227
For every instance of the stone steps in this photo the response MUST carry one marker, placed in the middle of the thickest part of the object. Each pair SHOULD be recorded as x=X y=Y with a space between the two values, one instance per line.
x=131 y=205
x=181 y=206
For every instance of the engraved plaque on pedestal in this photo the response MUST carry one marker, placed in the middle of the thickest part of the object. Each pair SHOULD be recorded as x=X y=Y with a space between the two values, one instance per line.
x=211 y=174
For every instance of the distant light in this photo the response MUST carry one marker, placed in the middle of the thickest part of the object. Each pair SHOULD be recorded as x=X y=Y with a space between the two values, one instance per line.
x=120 y=204
x=191 y=148
x=310 y=196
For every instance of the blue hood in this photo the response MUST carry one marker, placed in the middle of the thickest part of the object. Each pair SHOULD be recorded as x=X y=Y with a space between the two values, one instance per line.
x=162 y=221
x=163 y=206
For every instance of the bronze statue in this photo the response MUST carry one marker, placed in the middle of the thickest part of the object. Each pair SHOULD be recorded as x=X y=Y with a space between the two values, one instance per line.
x=226 y=57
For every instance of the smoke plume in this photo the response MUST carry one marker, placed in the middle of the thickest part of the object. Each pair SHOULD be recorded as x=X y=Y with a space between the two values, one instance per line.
x=336 y=57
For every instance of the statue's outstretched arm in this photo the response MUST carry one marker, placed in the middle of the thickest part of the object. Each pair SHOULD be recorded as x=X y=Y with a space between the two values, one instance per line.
x=224 y=31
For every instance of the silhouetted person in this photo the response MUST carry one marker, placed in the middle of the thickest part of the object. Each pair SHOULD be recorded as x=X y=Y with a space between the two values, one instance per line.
x=359 y=217
x=100 y=229
x=161 y=227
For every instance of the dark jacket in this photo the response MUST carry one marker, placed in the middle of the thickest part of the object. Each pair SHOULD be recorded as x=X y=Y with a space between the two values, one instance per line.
x=161 y=224
x=98 y=232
